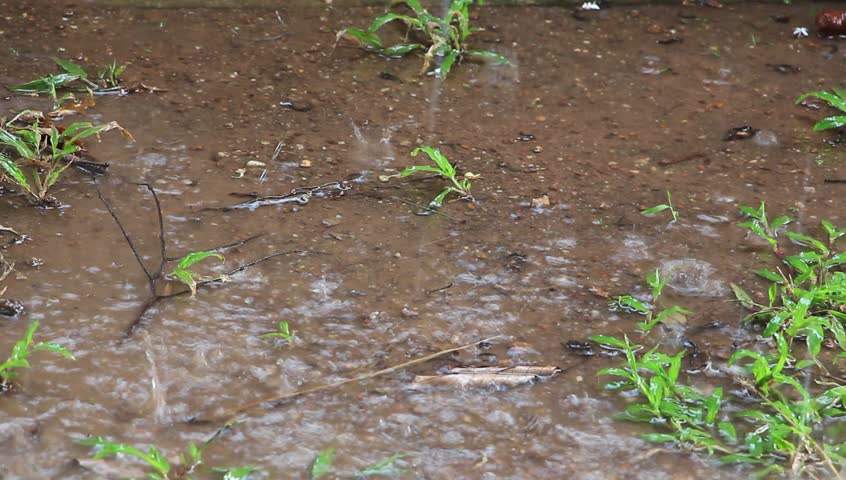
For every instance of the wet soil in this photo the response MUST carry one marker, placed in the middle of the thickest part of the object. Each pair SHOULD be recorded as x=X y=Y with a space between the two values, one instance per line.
x=602 y=135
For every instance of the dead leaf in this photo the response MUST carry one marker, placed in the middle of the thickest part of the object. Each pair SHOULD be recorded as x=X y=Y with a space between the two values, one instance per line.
x=542 y=201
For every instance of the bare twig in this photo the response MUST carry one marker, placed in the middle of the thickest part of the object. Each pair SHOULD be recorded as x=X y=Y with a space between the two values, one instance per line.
x=154 y=277
x=274 y=402
x=111 y=210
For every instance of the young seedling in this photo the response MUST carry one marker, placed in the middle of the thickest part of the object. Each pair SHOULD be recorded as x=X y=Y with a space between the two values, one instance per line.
x=283 y=332
x=445 y=169
x=187 y=276
x=630 y=304
x=189 y=461
x=42 y=152
x=383 y=468
x=109 y=75
x=662 y=207
x=322 y=464
x=837 y=99
x=70 y=79
x=444 y=39
x=20 y=356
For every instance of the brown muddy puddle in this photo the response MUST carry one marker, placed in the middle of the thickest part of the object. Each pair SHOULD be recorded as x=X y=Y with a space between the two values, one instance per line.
x=609 y=139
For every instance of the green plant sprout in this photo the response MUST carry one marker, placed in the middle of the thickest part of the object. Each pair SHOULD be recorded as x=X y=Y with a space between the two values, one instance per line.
x=442 y=38
x=662 y=207
x=283 y=332
x=189 y=461
x=837 y=99
x=153 y=458
x=20 y=356
x=322 y=464
x=43 y=153
x=382 y=468
x=445 y=169
x=188 y=277
x=630 y=304
x=73 y=73
x=109 y=75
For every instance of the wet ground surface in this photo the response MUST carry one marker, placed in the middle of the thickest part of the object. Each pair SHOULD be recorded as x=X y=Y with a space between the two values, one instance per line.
x=595 y=114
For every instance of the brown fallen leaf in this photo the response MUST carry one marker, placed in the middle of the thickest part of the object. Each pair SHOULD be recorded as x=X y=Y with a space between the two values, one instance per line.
x=542 y=201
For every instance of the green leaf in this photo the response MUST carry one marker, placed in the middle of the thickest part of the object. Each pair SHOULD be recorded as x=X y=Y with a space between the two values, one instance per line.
x=490 y=56
x=384 y=467
x=46 y=84
x=369 y=39
x=446 y=64
x=414 y=5
x=194 y=257
x=655 y=209
x=769 y=275
x=658 y=437
x=440 y=160
x=728 y=432
x=323 y=463
x=808 y=241
x=438 y=201
x=18 y=143
x=378 y=22
x=831 y=122
x=15 y=172
x=70 y=67
x=396 y=51
x=186 y=278
x=742 y=296
x=832 y=98
x=55 y=348
x=608 y=340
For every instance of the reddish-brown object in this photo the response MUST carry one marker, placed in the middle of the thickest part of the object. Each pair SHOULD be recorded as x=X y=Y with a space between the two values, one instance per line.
x=831 y=22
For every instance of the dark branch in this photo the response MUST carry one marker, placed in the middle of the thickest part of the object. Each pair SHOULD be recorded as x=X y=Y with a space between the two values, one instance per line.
x=150 y=278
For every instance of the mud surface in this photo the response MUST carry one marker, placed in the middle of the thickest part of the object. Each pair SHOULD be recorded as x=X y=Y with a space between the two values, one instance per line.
x=608 y=138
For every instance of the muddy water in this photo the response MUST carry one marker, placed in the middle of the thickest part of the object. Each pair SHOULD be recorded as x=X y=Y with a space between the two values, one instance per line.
x=609 y=138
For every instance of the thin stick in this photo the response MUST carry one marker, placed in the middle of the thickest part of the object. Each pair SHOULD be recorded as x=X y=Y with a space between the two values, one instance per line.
x=150 y=278
x=162 y=243
x=275 y=401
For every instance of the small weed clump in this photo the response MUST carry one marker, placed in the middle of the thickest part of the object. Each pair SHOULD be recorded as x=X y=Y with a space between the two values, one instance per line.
x=283 y=332
x=183 y=272
x=444 y=168
x=662 y=207
x=73 y=78
x=787 y=404
x=20 y=356
x=444 y=39
x=189 y=462
x=837 y=99
x=630 y=304
x=35 y=155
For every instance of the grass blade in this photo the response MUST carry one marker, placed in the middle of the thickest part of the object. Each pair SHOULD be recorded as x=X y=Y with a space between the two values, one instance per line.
x=490 y=56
